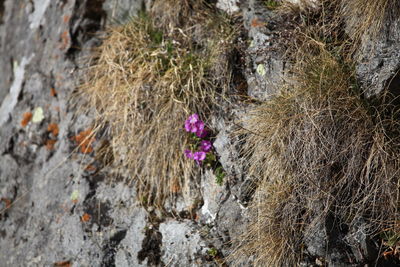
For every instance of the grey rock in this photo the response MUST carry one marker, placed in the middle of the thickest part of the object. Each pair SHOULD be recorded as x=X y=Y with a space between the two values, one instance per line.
x=44 y=226
x=265 y=60
x=378 y=60
x=225 y=146
x=121 y=11
x=181 y=243
x=360 y=242
x=315 y=238
x=11 y=98
x=229 y=6
x=324 y=240
x=127 y=254
x=37 y=18
x=213 y=196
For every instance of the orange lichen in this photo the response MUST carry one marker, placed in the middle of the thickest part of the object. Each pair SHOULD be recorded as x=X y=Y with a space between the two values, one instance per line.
x=65 y=40
x=90 y=168
x=85 y=140
x=50 y=144
x=62 y=264
x=26 y=118
x=86 y=149
x=257 y=23
x=53 y=92
x=85 y=217
x=53 y=128
x=66 y=18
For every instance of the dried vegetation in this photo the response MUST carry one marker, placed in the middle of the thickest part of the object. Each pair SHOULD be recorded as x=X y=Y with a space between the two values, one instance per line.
x=369 y=16
x=321 y=153
x=147 y=77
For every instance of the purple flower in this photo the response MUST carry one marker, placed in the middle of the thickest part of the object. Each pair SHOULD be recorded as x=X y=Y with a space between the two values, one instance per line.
x=194 y=125
x=200 y=129
x=188 y=126
x=202 y=133
x=189 y=154
x=205 y=146
x=191 y=124
x=199 y=156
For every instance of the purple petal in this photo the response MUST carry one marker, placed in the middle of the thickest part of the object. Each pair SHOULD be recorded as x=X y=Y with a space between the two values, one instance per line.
x=205 y=146
x=199 y=156
x=202 y=155
x=200 y=125
x=193 y=129
x=189 y=154
x=193 y=118
x=202 y=134
x=188 y=126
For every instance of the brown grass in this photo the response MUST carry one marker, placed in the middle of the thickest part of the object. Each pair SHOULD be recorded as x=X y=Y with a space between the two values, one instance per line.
x=148 y=76
x=318 y=151
x=309 y=23
x=368 y=16
x=340 y=20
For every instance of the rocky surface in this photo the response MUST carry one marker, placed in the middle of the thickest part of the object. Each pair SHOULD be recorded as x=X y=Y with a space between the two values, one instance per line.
x=379 y=60
x=265 y=61
x=59 y=212
x=56 y=208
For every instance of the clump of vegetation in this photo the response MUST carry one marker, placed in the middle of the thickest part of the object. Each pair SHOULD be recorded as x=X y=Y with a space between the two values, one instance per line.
x=340 y=19
x=201 y=149
x=391 y=244
x=213 y=252
x=149 y=75
x=271 y=4
x=318 y=150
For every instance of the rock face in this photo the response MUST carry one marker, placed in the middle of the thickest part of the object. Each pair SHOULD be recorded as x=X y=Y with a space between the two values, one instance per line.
x=59 y=213
x=379 y=60
x=57 y=208
x=266 y=65
x=63 y=211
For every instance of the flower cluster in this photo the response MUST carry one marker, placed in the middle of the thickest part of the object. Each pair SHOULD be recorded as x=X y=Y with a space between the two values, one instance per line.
x=194 y=125
x=197 y=127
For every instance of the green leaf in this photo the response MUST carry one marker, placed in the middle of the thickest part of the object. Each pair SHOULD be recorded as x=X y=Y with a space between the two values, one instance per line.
x=391 y=238
x=219 y=176
x=213 y=252
x=210 y=157
x=170 y=48
x=271 y=4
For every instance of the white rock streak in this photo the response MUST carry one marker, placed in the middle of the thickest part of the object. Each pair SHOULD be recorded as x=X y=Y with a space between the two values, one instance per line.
x=36 y=17
x=11 y=98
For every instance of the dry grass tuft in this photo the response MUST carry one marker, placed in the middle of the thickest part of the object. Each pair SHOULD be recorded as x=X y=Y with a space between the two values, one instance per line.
x=318 y=151
x=149 y=75
x=312 y=22
x=339 y=20
x=321 y=154
x=368 y=16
